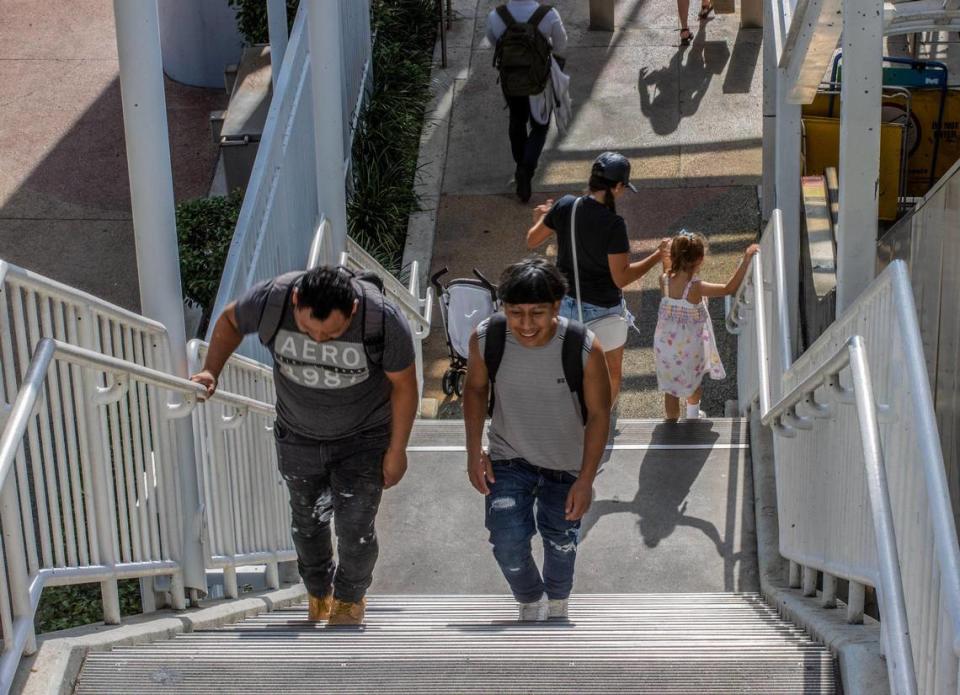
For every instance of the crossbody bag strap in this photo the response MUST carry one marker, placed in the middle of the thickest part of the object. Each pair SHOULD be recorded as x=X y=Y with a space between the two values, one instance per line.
x=573 y=250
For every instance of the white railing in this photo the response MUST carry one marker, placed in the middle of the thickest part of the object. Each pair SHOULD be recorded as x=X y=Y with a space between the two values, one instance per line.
x=279 y=211
x=356 y=65
x=90 y=516
x=241 y=488
x=90 y=462
x=762 y=292
x=416 y=309
x=861 y=491
x=280 y=208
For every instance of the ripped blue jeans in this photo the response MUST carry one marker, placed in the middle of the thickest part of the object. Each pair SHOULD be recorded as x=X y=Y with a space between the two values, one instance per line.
x=339 y=480
x=510 y=505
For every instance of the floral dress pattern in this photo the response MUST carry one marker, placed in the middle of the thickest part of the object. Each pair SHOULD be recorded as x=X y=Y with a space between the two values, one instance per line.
x=684 y=345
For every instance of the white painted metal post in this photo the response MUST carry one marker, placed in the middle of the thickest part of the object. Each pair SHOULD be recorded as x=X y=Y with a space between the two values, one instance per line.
x=787 y=182
x=277 y=26
x=860 y=88
x=767 y=186
x=323 y=25
x=154 y=223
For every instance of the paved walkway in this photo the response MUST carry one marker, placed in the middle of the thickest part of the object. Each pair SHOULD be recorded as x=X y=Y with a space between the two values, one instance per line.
x=689 y=119
x=64 y=190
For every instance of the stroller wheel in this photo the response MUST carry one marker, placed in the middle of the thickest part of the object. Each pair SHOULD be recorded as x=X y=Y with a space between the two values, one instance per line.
x=449 y=379
x=459 y=380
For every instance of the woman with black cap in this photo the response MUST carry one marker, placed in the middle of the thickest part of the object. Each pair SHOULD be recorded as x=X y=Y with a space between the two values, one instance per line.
x=593 y=252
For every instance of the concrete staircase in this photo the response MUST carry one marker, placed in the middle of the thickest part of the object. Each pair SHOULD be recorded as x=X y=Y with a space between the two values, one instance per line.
x=623 y=643
x=664 y=598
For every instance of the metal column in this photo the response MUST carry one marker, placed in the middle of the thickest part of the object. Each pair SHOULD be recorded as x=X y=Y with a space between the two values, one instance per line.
x=154 y=224
x=859 y=148
x=787 y=182
x=323 y=25
x=277 y=24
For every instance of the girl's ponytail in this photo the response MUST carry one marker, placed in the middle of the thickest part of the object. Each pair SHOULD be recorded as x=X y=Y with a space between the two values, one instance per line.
x=686 y=250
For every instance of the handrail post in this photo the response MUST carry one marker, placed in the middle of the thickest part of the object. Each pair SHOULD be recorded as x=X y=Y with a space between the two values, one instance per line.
x=323 y=29
x=14 y=552
x=891 y=581
x=105 y=549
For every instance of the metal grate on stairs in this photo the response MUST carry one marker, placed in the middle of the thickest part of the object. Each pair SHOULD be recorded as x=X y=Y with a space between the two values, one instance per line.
x=451 y=644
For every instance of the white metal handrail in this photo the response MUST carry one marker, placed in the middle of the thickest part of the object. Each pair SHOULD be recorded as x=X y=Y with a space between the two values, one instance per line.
x=823 y=457
x=416 y=309
x=756 y=295
x=826 y=379
x=22 y=583
x=244 y=496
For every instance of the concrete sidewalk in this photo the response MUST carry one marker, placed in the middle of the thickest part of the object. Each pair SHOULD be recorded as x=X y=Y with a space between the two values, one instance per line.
x=689 y=119
x=64 y=190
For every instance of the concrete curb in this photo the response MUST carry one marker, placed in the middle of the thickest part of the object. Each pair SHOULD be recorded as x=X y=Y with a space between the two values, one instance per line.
x=432 y=158
x=863 y=670
x=54 y=669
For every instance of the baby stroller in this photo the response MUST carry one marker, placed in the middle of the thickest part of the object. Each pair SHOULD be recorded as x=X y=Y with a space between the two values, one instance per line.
x=464 y=303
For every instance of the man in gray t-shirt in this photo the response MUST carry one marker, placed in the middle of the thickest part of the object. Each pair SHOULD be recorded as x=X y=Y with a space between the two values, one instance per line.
x=346 y=401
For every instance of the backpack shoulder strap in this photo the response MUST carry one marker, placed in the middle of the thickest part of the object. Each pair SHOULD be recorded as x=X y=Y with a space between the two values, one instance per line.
x=373 y=331
x=538 y=15
x=277 y=300
x=493 y=347
x=505 y=15
x=572 y=355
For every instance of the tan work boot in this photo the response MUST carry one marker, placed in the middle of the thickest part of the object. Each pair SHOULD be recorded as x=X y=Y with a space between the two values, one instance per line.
x=319 y=608
x=346 y=613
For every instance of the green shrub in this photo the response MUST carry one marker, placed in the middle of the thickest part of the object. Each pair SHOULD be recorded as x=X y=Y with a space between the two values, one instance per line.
x=252 y=18
x=205 y=229
x=62 y=607
x=387 y=140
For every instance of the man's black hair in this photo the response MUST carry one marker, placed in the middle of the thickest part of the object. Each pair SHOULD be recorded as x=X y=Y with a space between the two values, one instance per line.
x=532 y=281
x=324 y=289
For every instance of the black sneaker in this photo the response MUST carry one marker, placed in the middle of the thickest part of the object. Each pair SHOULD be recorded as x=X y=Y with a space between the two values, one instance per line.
x=523 y=184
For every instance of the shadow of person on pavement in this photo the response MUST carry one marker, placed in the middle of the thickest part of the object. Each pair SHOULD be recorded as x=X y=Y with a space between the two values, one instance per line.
x=704 y=59
x=666 y=477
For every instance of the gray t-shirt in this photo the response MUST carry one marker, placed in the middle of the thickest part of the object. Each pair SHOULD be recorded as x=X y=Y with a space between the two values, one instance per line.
x=328 y=390
x=536 y=417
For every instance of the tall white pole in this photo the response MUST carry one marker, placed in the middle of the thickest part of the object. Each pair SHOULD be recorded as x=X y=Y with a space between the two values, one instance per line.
x=860 y=95
x=277 y=26
x=323 y=25
x=787 y=181
x=154 y=226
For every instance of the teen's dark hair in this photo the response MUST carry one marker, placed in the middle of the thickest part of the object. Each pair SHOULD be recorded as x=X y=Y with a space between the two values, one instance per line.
x=324 y=289
x=532 y=281
x=598 y=184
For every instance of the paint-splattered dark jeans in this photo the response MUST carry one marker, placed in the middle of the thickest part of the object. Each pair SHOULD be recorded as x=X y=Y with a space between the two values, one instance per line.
x=510 y=520
x=340 y=480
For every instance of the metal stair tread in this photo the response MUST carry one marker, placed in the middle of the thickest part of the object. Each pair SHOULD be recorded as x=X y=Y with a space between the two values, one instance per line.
x=631 y=643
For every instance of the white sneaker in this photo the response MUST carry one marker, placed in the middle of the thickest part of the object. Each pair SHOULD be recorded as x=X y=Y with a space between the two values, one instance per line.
x=694 y=412
x=557 y=608
x=532 y=612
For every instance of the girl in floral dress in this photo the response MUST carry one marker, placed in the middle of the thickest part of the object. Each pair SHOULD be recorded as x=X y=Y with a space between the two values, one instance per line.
x=684 y=346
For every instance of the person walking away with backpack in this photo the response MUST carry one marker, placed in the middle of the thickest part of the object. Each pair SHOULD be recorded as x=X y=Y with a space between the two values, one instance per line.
x=543 y=380
x=343 y=366
x=684 y=347
x=525 y=34
x=597 y=266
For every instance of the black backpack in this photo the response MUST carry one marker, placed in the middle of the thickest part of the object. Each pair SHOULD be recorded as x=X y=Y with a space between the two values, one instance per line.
x=522 y=54
x=371 y=310
x=571 y=355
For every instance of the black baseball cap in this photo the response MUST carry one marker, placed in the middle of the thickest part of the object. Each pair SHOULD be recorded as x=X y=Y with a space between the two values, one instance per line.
x=614 y=167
